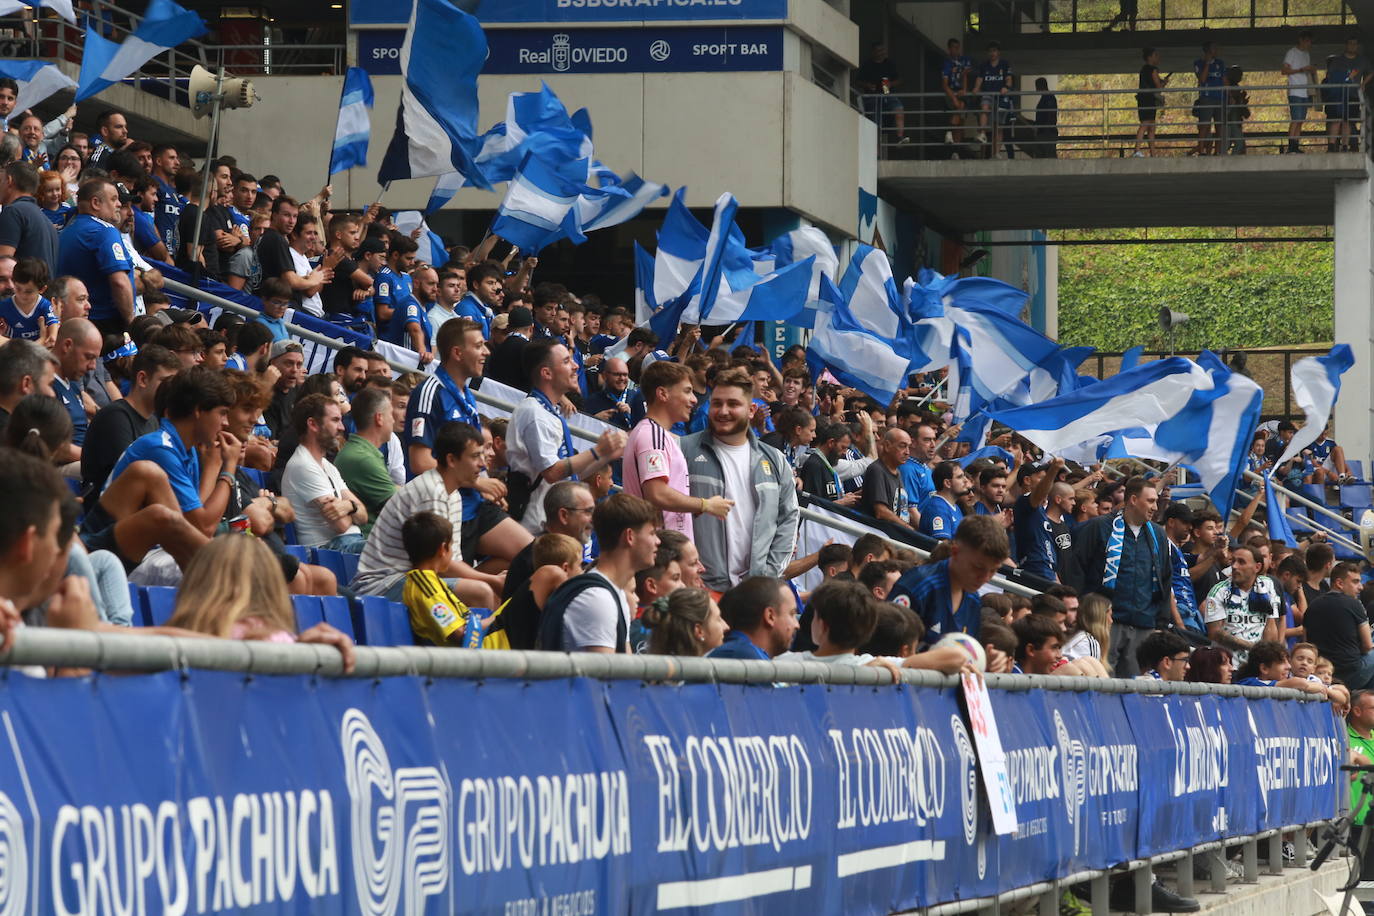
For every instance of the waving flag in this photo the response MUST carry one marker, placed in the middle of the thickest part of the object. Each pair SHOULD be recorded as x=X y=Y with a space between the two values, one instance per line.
x=1145 y=396
x=104 y=63
x=681 y=251
x=62 y=8
x=1316 y=385
x=443 y=192
x=538 y=207
x=794 y=246
x=436 y=121
x=1274 y=517
x=1211 y=434
x=431 y=250
x=856 y=356
x=535 y=122
x=37 y=81
x=354 y=125
x=616 y=201
x=731 y=290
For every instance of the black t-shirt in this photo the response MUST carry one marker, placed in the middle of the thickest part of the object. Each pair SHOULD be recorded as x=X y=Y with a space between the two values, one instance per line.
x=1312 y=593
x=1333 y=625
x=1062 y=535
x=337 y=295
x=874 y=72
x=217 y=218
x=883 y=488
x=112 y=430
x=1148 y=96
x=504 y=364
x=520 y=572
x=274 y=253
x=818 y=479
x=277 y=416
x=1203 y=583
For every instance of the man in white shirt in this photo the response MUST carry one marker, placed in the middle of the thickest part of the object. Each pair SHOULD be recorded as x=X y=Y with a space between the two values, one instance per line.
x=446 y=304
x=539 y=444
x=304 y=240
x=327 y=512
x=1297 y=66
x=590 y=612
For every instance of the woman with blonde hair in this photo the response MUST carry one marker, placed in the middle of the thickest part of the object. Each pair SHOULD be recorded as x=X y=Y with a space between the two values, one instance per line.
x=685 y=622
x=1092 y=632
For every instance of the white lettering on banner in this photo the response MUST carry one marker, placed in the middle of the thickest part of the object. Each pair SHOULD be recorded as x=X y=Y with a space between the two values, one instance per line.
x=1092 y=771
x=1201 y=753
x=888 y=775
x=510 y=823
x=740 y=791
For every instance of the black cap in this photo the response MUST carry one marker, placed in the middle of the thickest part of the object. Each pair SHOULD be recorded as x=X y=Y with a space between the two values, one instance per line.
x=520 y=317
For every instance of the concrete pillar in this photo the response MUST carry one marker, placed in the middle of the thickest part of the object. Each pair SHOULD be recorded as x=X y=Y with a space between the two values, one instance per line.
x=1354 y=298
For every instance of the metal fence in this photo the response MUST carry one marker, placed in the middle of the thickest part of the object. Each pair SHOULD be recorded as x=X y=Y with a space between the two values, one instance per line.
x=1058 y=16
x=1107 y=123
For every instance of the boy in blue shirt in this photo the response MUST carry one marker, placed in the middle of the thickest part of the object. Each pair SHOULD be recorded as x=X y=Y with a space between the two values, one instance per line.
x=940 y=513
x=994 y=85
x=276 y=298
x=392 y=286
x=27 y=315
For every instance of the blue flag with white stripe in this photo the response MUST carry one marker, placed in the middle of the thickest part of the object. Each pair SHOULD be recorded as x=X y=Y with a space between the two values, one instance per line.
x=539 y=202
x=104 y=63
x=1316 y=382
x=615 y=201
x=354 y=126
x=855 y=355
x=1279 y=527
x=794 y=246
x=62 y=8
x=444 y=188
x=431 y=248
x=37 y=81
x=731 y=290
x=680 y=253
x=535 y=122
x=436 y=120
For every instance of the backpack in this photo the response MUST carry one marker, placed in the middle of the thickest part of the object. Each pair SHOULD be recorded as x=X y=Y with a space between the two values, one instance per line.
x=551 y=621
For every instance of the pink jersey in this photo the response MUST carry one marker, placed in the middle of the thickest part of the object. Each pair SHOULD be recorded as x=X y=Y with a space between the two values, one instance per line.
x=651 y=451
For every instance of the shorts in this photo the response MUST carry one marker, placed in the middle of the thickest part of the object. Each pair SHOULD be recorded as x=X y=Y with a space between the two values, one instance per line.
x=488 y=516
x=1207 y=111
x=877 y=105
x=1298 y=107
x=1147 y=114
x=969 y=103
x=104 y=539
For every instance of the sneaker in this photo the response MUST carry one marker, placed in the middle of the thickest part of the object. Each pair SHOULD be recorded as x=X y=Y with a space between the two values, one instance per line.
x=1137 y=155
x=949 y=137
x=981 y=138
x=1290 y=852
x=1070 y=905
x=1162 y=900
x=903 y=140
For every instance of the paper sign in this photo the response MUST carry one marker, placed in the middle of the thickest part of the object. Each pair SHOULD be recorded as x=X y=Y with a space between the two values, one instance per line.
x=992 y=759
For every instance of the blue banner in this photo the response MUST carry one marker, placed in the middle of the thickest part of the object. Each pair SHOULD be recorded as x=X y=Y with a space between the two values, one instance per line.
x=646 y=50
x=574 y=12
x=218 y=792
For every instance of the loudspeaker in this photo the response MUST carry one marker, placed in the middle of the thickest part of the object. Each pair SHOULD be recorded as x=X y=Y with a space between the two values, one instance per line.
x=237 y=92
x=1170 y=319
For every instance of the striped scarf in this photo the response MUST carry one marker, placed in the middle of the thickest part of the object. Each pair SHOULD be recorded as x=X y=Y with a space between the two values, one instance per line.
x=1114 y=551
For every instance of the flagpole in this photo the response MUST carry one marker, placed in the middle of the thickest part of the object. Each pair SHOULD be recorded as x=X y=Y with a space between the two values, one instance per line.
x=211 y=149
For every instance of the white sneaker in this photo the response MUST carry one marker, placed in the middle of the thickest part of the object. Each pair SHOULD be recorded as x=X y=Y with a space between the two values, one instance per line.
x=982 y=138
x=1137 y=155
x=949 y=137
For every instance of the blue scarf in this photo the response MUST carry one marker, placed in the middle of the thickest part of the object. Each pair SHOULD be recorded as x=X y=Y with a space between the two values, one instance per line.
x=1183 y=592
x=1114 y=544
x=467 y=404
x=566 y=449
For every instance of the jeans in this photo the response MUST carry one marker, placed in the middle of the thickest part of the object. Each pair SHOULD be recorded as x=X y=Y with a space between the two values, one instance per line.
x=352 y=542
x=398 y=589
x=1298 y=106
x=1361 y=677
x=1233 y=136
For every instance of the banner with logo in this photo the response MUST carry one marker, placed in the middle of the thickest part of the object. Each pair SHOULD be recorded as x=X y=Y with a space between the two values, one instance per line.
x=704 y=49
x=390 y=12
x=210 y=792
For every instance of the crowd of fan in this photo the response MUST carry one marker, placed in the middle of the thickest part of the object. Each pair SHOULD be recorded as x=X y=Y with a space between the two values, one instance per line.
x=675 y=531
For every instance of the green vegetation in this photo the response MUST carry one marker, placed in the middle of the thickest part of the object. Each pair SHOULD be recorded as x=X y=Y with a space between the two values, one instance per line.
x=1250 y=293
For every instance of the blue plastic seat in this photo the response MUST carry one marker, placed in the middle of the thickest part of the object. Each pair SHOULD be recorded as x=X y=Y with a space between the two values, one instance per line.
x=159 y=603
x=379 y=622
x=308 y=611
x=139 y=605
x=344 y=566
x=1357 y=496
x=299 y=552
x=338 y=614
x=1356 y=468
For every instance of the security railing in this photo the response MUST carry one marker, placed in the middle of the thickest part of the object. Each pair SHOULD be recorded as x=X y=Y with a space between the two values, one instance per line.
x=1056 y=16
x=1106 y=123
x=46 y=36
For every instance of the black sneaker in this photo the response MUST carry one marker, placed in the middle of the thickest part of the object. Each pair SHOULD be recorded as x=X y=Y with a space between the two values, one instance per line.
x=1162 y=900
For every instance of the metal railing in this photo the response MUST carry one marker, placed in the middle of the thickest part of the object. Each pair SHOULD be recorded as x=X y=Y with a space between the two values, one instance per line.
x=44 y=35
x=1072 y=16
x=1106 y=123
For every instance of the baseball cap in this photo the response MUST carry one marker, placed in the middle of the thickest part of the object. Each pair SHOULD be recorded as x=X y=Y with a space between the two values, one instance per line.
x=282 y=347
x=520 y=317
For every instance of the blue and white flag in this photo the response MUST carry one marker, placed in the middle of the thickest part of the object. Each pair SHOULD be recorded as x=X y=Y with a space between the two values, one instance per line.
x=432 y=250
x=354 y=126
x=615 y=201
x=539 y=202
x=1279 y=527
x=104 y=63
x=436 y=120
x=680 y=253
x=37 y=81
x=1316 y=385
x=62 y=8
x=644 y=285
x=1145 y=396
x=535 y=122
x=443 y=192
x=730 y=290
x=1211 y=434
x=995 y=452
x=794 y=246
x=856 y=356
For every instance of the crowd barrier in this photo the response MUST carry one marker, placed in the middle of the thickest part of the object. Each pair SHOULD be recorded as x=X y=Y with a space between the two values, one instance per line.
x=535 y=783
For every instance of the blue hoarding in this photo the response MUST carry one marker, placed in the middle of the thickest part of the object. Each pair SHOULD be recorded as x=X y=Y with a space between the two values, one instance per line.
x=219 y=792
x=647 y=50
x=574 y=12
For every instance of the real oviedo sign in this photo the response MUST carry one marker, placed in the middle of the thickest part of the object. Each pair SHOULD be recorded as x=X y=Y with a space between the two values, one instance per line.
x=609 y=50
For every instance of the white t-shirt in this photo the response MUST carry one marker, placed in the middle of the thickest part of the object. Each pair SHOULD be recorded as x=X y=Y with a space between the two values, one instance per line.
x=310 y=304
x=304 y=481
x=1298 y=82
x=1243 y=618
x=1082 y=645
x=739 y=523
x=532 y=443
x=396 y=460
x=589 y=620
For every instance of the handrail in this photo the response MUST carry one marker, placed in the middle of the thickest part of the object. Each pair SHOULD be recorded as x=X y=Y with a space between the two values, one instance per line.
x=137 y=652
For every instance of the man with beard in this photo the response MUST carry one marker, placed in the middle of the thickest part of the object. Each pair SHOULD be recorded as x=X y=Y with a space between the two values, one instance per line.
x=940 y=513
x=757 y=535
x=328 y=514
x=818 y=474
x=350 y=365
